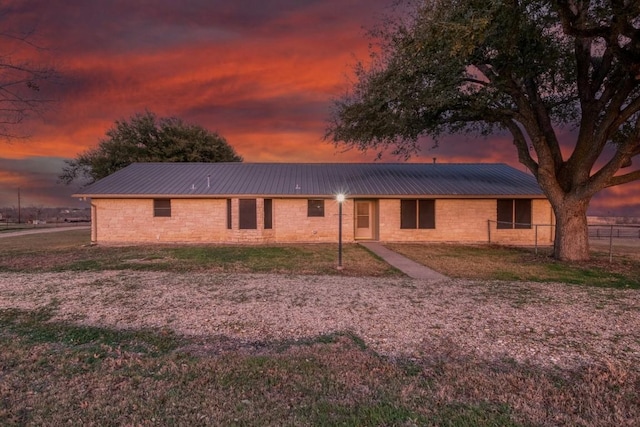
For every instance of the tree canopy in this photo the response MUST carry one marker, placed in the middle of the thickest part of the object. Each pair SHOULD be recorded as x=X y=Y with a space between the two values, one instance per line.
x=146 y=138
x=530 y=67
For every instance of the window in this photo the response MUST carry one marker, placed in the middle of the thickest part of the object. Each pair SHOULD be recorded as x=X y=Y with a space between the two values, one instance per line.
x=229 y=214
x=418 y=214
x=315 y=207
x=514 y=213
x=247 y=211
x=268 y=214
x=162 y=207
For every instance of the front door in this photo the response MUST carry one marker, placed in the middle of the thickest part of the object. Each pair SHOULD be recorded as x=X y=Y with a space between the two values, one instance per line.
x=364 y=219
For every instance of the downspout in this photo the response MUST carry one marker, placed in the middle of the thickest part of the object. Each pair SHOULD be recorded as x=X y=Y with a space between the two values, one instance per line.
x=552 y=220
x=94 y=224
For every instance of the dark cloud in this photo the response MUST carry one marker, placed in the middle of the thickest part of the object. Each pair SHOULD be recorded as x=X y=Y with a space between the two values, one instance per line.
x=121 y=26
x=36 y=180
x=285 y=113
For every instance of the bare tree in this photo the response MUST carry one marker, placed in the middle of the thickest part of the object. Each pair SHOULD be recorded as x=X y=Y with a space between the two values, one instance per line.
x=22 y=80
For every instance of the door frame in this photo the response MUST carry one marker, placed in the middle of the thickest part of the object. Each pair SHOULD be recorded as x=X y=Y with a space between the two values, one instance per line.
x=373 y=219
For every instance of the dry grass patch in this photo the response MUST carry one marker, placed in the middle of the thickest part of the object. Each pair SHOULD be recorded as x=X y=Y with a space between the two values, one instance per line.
x=59 y=374
x=620 y=248
x=106 y=347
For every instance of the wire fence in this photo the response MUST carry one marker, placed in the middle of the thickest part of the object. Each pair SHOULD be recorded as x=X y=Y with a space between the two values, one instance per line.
x=539 y=234
x=618 y=238
x=618 y=231
x=612 y=238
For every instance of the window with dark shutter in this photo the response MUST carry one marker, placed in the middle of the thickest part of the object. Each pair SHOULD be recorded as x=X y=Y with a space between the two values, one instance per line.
x=426 y=214
x=408 y=210
x=514 y=213
x=162 y=207
x=315 y=207
x=417 y=214
x=522 y=210
x=505 y=213
x=247 y=212
x=268 y=214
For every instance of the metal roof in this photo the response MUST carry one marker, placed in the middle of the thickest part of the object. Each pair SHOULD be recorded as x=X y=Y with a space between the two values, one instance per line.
x=315 y=179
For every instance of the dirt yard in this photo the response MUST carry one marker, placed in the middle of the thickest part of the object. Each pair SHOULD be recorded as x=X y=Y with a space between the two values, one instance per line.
x=544 y=324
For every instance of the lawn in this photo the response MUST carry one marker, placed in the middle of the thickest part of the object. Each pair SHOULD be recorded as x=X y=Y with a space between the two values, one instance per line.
x=70 y=251
x=66 y=372
x=492 y=262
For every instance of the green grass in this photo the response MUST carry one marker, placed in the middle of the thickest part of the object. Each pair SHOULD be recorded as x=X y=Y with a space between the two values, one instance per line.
x=262 y=259
x=489 y=262
x=35 y=327
x=54 y=373
x=70 y=251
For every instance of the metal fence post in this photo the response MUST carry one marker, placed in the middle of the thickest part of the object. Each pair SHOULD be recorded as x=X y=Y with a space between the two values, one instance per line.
x=611 y=244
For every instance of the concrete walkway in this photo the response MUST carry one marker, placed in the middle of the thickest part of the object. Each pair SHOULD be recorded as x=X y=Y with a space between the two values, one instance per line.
x=402 y=263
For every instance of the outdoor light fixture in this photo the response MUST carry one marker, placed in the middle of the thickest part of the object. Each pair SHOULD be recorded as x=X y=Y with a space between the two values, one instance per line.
x=340 y=199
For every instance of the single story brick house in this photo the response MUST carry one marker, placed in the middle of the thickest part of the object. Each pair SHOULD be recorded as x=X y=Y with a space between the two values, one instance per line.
x=297 y=202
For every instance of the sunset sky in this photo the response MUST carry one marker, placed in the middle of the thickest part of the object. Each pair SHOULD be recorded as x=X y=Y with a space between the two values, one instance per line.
x=260 y=73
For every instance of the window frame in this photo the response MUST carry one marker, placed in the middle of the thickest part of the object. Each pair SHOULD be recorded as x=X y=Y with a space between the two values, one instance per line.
x=408 y=214
x=514 y=214
x=417 y=214
x=160 y=211
x=426 y=214
x=247 y=214
x=229 y=217
x=268 y=214
x=315 y=208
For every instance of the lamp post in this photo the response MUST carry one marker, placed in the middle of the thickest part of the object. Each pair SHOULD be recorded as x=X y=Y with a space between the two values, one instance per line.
x=340 y=199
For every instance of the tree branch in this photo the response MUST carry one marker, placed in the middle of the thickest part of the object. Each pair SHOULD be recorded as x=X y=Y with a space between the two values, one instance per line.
x=605 y=176
x=623 y=179
x=522 y=147
x=544 y=124
x=571 y=13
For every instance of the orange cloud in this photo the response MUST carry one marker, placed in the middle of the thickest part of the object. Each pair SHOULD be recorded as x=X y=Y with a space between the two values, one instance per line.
x=262 y=74
x=11 y=179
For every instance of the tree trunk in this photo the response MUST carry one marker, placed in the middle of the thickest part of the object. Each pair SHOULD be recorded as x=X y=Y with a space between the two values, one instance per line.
x=572 y=233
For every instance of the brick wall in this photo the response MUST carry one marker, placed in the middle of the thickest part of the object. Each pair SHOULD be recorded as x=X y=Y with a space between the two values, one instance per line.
x=293 y=225
x=132 y=220
x=464 y=220
x=120 y=221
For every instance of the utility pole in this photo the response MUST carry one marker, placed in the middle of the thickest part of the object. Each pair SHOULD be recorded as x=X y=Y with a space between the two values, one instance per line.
x=18 y=205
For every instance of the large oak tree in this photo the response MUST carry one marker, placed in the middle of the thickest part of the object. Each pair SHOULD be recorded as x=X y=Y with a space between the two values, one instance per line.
x=529 y=67
x=146 y=138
